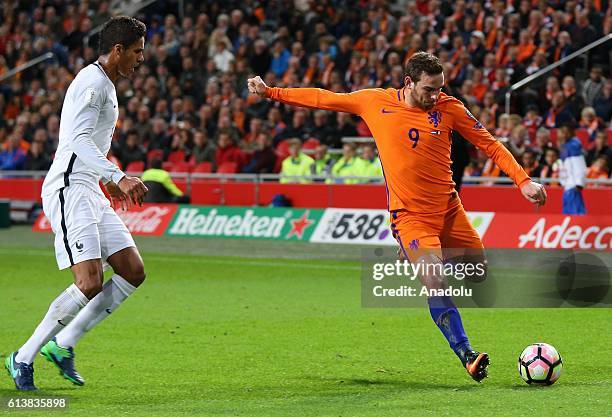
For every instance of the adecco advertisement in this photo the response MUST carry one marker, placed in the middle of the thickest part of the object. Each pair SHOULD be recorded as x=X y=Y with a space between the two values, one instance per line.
x=550 y=232
x=372 y=226
x=254 y=223
x=145 y=220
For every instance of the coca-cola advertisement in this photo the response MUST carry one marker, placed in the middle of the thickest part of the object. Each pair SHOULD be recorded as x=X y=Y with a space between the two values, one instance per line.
x=150 y=219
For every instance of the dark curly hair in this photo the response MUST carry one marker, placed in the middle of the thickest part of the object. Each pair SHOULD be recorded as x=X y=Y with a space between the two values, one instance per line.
x=123 y=30
x=422 y=62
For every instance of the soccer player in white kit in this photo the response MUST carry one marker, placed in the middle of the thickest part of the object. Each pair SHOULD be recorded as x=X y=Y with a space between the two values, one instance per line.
x=88 y=232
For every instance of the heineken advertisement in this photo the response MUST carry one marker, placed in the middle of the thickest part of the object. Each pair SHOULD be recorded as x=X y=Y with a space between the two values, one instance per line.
x=240 y=222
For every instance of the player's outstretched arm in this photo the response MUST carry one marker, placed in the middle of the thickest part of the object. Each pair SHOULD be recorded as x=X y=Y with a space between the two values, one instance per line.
x=466 y=124
x=317 y=98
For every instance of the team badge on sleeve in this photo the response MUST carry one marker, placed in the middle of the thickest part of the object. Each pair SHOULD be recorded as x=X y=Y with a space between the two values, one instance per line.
x=90 y=96
x=477 y=125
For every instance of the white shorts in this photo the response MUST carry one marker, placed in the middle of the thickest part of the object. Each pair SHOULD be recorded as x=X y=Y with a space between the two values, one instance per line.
x=85 y=225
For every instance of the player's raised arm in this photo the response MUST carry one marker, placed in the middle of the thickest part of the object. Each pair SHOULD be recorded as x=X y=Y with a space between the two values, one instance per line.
x=471 y=129
x=316 y=98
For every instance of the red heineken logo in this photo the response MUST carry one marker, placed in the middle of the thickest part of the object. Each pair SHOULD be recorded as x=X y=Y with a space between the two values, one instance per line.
x=298 y=226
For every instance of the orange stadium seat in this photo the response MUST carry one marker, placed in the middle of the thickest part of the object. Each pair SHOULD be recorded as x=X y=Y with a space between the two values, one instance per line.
x=136 y=166
x=154 y=154
x=228 y=168
x=311 y=144
x=176 y=157
x=181 y=166
x=203 y=168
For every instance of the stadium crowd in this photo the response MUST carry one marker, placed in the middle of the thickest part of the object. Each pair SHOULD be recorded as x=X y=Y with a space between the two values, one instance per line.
x=188 y=104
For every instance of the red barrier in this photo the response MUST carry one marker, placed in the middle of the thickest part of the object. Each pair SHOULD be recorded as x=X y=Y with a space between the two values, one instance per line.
x=214 y=192
x=508 y=199
x=21 y=189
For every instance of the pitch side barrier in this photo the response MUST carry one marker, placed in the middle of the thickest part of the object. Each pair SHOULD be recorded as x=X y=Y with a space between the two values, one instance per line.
x=357 y=226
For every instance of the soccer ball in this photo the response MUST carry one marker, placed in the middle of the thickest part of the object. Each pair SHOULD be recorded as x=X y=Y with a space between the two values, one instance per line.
x=540 y=364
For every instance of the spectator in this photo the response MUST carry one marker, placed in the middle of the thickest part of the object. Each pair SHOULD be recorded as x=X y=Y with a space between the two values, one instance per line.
x=297 y=164
x=228 y=151
x=581 y=31
x=323 y=161
x=275 y=122
x=603 y=104
x=13 y=157
x=263 y=159
x=260 y=59
x=572 y=171
x=161 y=187
x=542 y=143
x=131 y=150
x=573 y=100
x=559 y=114
x=203 y=150
x=530 y=163
x=159 y=138
x=256 y=126
x=551 y=164
x=599 y=169
x=600 y=148
x=590 y=122
x=370 y=164
x=222 y=57
x=345 y=127
x=347 y=166
x=36 y=159
x=280 y=58
x=297 y=129
x=592 y=89
x=476 y=48
x=321 y=129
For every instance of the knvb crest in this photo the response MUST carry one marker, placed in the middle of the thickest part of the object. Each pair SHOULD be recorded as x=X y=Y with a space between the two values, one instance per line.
x=414 y=244
x=477 y=125
x=434 y=117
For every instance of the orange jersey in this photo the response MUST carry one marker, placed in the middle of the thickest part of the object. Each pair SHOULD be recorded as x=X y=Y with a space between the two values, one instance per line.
x=413 y=144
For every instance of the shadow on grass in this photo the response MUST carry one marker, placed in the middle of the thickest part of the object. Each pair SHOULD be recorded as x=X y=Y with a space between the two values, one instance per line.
x=47 y=392
x=397 y=383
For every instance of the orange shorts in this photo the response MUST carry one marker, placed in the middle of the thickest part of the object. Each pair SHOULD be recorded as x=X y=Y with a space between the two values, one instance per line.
x=438 y=231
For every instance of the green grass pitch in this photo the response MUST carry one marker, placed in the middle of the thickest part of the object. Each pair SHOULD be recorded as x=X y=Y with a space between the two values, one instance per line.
x=259 y=334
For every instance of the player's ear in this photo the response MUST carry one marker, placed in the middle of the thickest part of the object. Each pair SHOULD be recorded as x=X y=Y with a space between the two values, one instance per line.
x=408 y=81
x=118 y=48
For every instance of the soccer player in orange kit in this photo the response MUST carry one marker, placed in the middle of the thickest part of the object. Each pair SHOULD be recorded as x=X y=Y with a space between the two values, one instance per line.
x=412 y=129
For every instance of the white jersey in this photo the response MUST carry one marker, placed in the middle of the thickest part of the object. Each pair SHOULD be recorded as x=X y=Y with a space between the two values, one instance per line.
x=87 y=124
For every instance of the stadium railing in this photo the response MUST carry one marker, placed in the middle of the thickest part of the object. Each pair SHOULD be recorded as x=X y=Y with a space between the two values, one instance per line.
x=551 y=67
x=26 y=65
x=467 y=179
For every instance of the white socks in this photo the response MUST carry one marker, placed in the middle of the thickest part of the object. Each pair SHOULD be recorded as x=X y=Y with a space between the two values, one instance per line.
x=61 y=312
x=114 y=292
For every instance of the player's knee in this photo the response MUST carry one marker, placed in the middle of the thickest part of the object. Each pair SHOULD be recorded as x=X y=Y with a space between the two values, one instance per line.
x=135 y=274
x=90 y=286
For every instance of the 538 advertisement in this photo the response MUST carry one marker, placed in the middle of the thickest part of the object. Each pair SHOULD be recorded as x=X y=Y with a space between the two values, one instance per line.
x=372 y=226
